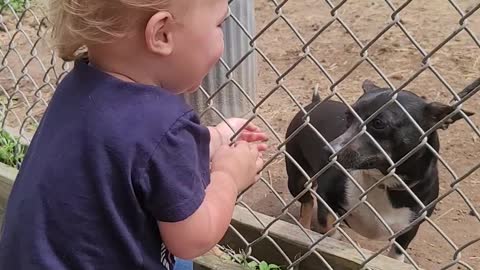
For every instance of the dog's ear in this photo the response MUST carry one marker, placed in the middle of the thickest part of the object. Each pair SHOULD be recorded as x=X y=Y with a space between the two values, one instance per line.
x=369 y=86
x=436 y=111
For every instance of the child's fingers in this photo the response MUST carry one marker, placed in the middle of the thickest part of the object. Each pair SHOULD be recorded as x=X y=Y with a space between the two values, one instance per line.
x=262 y=147
x=252 y=127
x=253 y=136
x=240 y=142
x=254 y=149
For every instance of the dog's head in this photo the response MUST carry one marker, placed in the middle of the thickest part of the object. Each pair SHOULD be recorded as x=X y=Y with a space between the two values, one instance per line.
x=391 y=129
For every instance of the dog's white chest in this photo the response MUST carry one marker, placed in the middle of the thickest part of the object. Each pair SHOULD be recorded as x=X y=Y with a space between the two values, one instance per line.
x=363 y=220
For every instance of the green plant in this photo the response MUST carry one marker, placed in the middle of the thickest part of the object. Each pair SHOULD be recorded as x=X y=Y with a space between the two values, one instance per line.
x=262 y=266
x=12 y=151
x=17 y=5
x=242 y=259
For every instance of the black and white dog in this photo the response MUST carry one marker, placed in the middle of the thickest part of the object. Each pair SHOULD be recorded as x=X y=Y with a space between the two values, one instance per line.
x=396 y=134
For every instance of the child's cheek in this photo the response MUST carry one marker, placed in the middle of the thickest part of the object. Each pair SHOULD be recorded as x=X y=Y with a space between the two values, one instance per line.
x=220 y=46
x=215 y=49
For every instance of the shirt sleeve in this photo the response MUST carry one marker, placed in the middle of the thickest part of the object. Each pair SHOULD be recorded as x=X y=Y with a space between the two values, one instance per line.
x=178 y=171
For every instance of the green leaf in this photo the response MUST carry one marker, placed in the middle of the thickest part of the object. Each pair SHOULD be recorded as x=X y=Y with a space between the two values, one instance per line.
x=252 y=265
x=17 y=5
x=12 y=152
x=3 y=154
x=3 y=140
x=263 y=266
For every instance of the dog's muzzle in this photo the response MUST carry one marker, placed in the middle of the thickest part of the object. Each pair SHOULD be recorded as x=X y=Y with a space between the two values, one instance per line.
x=345 y=156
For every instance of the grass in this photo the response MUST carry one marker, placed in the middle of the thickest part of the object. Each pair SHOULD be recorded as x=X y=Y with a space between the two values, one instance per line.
x=242 y=259
x=12 y=151
x=262 y=266
x=17 y=5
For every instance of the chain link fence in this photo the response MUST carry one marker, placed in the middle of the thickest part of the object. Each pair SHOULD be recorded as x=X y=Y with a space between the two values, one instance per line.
x=430 y=48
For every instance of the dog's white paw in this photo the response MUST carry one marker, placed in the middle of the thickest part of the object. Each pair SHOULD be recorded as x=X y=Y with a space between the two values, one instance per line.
x=394 y=254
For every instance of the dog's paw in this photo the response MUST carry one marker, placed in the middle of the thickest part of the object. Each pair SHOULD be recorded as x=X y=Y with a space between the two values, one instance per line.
x=394 y=253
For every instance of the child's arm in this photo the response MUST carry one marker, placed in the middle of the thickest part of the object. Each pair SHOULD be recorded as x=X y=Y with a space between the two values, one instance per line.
x=200 y=232
x=222 y=133
x=233 y=170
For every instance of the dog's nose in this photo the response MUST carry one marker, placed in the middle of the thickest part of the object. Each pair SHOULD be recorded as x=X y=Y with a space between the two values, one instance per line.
x=327 y=150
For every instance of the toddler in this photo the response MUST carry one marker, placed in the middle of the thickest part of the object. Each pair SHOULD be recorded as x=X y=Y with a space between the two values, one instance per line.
x=120 y=173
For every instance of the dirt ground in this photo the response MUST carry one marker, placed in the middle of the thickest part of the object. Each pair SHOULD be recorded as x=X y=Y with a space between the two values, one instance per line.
x=429 y=22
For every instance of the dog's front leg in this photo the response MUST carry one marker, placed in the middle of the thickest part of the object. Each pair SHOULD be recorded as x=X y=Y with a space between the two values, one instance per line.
x=326 y=225
x=403 y=240
x=306 y=212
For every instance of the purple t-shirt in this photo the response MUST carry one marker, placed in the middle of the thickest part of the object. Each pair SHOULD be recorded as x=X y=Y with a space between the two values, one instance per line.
x=108 y=160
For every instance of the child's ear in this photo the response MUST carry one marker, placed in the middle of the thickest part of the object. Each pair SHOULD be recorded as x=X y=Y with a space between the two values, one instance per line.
x=158 y=33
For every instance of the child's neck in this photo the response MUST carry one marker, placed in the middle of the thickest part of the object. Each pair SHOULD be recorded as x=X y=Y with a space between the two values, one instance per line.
x=128 y=67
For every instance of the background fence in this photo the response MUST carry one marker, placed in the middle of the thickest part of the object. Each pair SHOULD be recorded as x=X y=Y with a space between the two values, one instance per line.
x=429 y=47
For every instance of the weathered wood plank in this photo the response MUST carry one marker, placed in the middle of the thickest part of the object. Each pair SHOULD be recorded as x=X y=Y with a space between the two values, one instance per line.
x=7 y=177
x=211 y=261
x=293 y=241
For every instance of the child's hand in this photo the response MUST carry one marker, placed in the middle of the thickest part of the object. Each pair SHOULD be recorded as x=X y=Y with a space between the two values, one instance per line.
x=251 y=133
x=241 y=162
x=233 y=169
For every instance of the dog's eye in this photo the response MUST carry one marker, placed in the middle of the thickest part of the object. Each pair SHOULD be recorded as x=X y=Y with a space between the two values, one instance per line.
x=378 y=124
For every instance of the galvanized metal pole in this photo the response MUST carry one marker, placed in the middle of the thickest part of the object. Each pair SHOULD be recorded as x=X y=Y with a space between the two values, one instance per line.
x=230 y=82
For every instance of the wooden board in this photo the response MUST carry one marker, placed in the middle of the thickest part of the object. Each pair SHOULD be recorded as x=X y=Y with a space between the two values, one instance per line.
x=7 y=177
x=294 y=243
x=214 y=262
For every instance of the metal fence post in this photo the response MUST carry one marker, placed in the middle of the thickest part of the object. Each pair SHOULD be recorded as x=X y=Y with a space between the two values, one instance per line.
x=235 y=81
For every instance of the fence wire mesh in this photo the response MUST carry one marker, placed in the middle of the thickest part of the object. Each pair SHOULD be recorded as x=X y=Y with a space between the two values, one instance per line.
x=430 y=48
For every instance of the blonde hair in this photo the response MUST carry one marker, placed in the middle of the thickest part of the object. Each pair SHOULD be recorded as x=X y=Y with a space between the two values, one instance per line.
x=78 y=23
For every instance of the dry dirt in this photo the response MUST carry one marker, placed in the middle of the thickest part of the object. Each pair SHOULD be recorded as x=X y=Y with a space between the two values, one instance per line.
x=429 y=22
